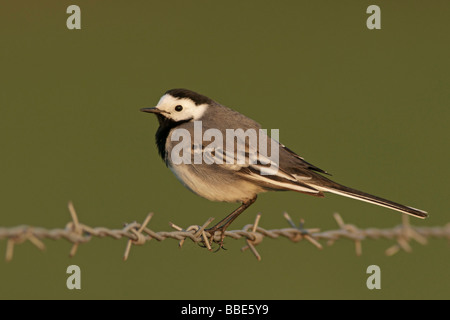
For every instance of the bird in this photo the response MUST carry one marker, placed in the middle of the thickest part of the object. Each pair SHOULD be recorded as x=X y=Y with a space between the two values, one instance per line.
x=229 y=180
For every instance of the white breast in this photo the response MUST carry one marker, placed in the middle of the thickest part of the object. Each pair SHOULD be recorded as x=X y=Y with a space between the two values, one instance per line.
x=215 y=186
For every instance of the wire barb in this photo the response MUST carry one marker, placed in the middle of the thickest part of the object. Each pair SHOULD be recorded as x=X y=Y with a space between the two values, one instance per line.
x=353 y=232
x=303 y=233
x=405 y=235
x=257 y=238
x=140 y=237
x=253 y=234
x=75 y=227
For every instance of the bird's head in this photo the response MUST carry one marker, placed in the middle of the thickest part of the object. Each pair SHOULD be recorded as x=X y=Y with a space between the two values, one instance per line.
x=180 y=105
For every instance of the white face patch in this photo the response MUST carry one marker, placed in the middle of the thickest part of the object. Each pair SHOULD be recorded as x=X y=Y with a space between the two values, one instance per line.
x=189 y=110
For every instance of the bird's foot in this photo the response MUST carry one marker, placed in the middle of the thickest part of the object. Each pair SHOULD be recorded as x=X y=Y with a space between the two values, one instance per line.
x=212 y=232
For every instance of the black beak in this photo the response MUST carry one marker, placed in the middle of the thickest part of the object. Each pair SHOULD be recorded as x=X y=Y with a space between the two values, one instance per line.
x=152 y=110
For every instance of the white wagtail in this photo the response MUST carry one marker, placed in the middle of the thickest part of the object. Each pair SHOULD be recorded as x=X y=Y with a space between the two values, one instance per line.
x=181 y=108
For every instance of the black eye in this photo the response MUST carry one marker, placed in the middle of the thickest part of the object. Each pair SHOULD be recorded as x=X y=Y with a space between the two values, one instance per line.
x=178 y=108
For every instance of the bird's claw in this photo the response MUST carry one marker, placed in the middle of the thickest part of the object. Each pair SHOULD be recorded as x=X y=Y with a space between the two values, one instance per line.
x=212 y=231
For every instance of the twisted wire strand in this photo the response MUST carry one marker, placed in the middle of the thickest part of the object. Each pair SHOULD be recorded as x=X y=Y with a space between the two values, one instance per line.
x=139 y=234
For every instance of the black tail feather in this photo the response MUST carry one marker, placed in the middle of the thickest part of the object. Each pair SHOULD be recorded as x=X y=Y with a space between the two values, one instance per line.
x=356 y=194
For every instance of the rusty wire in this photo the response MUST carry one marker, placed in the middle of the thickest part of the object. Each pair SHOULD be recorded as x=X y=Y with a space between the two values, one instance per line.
x=139 y=234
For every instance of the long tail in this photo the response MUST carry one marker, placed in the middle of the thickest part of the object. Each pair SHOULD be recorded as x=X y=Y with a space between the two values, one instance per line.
x=359 y=195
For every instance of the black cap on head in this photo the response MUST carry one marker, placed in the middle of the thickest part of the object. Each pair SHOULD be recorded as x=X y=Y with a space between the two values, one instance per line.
x=194 y=96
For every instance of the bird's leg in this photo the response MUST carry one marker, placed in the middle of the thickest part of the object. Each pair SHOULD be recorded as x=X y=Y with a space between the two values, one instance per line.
x=224 y=223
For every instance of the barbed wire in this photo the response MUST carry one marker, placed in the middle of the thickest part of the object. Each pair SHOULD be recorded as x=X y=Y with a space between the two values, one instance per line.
x=139 y=234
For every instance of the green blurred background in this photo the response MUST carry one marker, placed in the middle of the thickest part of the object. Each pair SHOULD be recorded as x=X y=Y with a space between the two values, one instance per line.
x=371 y=107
